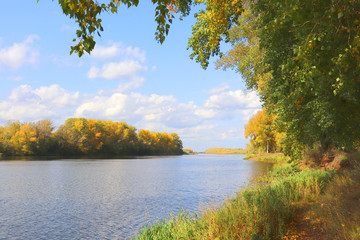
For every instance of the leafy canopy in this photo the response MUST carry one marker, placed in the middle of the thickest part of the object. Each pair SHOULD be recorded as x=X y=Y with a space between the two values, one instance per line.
x=213 y=22
x=312 y=51
x=303 y=58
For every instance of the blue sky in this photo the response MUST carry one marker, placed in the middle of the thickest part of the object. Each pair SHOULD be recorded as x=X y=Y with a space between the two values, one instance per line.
x=128 y=77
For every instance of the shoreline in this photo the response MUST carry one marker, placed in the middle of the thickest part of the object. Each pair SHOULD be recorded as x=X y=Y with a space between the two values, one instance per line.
x=55 y=157
x=285 y=207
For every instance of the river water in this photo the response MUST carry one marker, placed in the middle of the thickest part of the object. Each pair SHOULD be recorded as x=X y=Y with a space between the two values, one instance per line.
x=112 y=198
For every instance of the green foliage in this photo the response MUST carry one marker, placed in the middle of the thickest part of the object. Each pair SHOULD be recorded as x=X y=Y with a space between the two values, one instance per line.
x=211 y=27
x=87 y=15
x=278 y=159
x=303 y=57
x=312 y=50
x=245 y=56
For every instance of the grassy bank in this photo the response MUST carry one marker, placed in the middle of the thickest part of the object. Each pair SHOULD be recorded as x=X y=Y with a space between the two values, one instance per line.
x=335 y=214
x=276 y=158
x=262 y=211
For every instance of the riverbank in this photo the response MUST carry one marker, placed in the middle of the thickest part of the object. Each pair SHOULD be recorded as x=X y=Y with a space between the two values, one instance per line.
x=80 y=157
x=275 y=158
x=292 y=204
x=225 y=151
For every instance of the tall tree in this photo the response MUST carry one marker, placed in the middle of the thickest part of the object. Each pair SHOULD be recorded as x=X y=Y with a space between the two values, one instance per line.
x=312 y=50
x=261 y=131
x=303 y=57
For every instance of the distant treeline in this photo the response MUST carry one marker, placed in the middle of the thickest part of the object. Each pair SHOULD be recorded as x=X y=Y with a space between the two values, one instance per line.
x=225 y=151
x=80 y=136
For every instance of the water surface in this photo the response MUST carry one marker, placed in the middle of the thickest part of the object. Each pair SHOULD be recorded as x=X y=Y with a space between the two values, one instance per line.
x=112 y=198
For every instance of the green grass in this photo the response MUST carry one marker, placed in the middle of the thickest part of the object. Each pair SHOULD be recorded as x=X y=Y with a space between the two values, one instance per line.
x=261 y=211
x=278 y=158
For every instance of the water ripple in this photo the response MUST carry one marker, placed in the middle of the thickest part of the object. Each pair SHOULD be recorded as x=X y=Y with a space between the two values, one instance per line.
x=111 y=199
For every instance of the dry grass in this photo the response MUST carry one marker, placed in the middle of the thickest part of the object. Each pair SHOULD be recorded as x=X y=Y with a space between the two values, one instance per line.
x=339 y=206
x=335 y=214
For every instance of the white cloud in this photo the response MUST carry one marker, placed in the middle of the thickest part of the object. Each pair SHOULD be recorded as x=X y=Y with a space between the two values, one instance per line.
x=248 y=113
x=205 y=113
x=230 y=105
x=28 y=111
x=126 y=67
x=118 y=50
x=167 y=109
x=136 y=53
x=57 y=96
x=234 y=100
x=211 y=123
x=24 y=93
x=234 y=133
x=201 y=132
x=135 y=82
x=102 y=52
x=25 y=103
x=20 y=54
x=93 y=72
x=138 y=107
x=218 y=89
x=117 y=70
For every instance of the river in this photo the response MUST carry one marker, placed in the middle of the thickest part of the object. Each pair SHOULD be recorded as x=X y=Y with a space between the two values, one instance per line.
x=112 y=198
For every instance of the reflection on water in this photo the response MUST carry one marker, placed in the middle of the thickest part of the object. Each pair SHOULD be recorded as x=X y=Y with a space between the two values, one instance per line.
x=111 y=198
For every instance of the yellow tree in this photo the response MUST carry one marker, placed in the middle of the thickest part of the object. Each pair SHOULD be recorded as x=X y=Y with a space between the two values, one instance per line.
x=261 y=132
x=25 y=139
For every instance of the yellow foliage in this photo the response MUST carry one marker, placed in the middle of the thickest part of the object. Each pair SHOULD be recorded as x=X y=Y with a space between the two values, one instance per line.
x=262 y=133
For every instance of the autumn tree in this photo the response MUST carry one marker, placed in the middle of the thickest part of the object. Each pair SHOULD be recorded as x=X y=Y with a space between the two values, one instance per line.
x=26 y=138
x=81 y=136
x=44 y=136
x=7 y=132
x=261 y=131
x=90 y=136
x=159 y=143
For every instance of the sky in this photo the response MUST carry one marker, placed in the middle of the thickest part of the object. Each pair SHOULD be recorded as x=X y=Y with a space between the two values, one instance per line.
x=128 y=77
